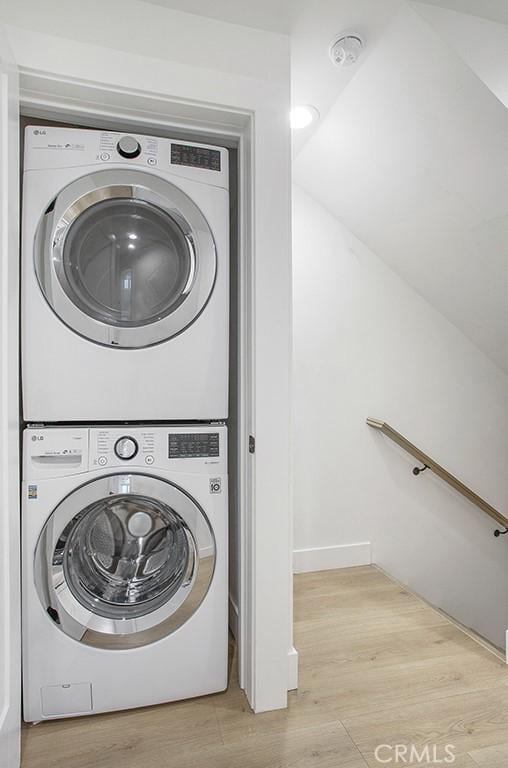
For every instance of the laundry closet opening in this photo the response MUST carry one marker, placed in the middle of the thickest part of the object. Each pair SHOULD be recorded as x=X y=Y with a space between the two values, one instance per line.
x=128 y=453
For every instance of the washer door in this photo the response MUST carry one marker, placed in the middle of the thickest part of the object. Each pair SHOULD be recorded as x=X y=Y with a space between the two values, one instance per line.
x=124 y=560
x=125 y=258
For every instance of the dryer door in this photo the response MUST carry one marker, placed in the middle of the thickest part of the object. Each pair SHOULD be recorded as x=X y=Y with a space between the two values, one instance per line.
x=124 y=560
x=125 y=258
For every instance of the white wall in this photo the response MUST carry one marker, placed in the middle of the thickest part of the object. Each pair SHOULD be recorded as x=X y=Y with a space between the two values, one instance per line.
x=70 y=57
x=154 y=32
x=366 y=344
x=412 y=158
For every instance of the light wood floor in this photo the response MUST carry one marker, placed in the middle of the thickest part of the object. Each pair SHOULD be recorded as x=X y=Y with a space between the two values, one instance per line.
x=377 y=666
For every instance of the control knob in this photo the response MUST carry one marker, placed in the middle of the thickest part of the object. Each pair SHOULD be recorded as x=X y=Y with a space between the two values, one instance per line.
x=128 y=146
x=126 y=448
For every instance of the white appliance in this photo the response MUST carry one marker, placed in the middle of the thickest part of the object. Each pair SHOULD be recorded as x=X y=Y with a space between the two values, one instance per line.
x=125 y=277
x=124 y=567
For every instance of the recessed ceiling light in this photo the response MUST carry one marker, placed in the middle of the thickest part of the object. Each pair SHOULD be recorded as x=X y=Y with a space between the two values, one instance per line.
x=303 y=116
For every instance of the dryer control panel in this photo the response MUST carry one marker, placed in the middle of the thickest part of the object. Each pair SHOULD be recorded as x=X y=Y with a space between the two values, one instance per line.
x=52 y=147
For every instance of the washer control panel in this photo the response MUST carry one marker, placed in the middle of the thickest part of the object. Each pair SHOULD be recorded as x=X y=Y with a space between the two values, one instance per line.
x=188 y=448
x=193 y=445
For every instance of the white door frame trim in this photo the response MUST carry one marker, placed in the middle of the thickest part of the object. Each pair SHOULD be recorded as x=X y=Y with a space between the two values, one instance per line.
x=47 y=95
x=10 y=622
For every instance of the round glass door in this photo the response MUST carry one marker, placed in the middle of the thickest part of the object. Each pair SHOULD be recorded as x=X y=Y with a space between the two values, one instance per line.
x=132 y=565
x=125 y=556
x=125 y=258
x=126 y=263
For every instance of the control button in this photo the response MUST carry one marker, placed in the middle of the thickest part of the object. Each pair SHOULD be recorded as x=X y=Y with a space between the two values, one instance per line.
x=128 y=146
x=126 y=448
x=102 y=460
x=105 y=156
x=149 y=459
x=152 y=161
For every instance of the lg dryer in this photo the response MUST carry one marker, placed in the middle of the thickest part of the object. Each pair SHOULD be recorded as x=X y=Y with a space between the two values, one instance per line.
x=125 y=297
x=125 y=587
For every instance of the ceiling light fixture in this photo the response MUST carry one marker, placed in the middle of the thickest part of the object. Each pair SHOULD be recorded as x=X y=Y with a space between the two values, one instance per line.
x=302 y=116
x=345 y=51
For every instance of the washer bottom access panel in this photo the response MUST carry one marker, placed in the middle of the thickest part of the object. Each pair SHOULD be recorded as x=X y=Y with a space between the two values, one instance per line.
x=124 y=567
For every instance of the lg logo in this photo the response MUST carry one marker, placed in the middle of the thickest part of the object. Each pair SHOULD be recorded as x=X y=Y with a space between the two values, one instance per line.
x=215 y=485
x=39 y=132
x=37 y=437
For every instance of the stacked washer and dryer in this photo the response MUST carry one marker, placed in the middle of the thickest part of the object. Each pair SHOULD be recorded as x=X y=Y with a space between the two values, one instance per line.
x=125 y=328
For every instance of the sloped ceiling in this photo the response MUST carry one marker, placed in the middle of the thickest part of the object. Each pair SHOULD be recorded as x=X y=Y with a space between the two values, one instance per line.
x=481 y=43
x=496 y=10
x=413 y=159
x=270 y=15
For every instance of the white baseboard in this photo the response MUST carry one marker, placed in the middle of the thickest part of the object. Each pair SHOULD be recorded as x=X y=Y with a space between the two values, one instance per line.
x=233 y=617
x=326 y=558
x=293 y=669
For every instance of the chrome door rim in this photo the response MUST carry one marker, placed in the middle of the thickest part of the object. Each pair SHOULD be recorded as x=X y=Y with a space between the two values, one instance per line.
x=91 y=189
x=77 y=621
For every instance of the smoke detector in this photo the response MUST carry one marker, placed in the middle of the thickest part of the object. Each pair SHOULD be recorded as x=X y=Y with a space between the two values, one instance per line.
x=345 y=51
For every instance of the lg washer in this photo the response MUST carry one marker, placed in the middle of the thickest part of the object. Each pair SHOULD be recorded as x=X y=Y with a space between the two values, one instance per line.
x=125 y=585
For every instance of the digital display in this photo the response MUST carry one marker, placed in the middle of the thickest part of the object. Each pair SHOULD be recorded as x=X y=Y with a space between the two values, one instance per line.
x=195 y=445
x=195 y=157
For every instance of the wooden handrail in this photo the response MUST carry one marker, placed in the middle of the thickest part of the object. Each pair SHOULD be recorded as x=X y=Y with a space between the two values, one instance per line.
x=440 y=471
